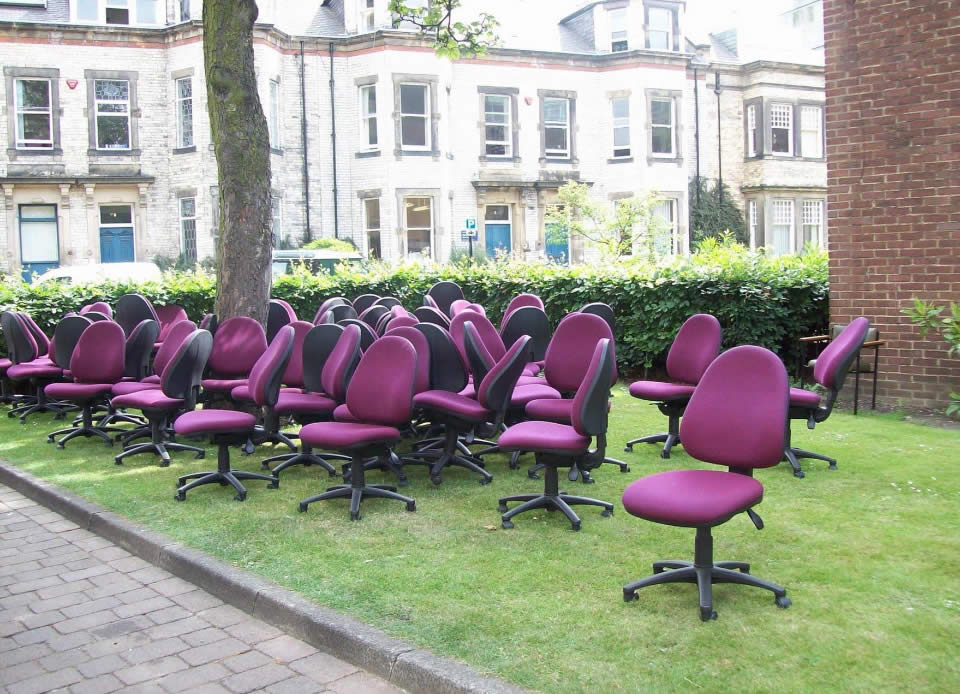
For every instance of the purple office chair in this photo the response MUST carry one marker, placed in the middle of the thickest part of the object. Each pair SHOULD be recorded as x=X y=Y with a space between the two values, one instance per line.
x=696 y=345
x=321 y=313
x=179 y=383
x=430 y=302
x=736 y=418
x=98 y=306
x=132 y=309
x=367 y=334
x=31 y=363
x=831 y=369
x=517 y=302
x=458 y=306
x=365 y=301
x=227 y=426
x=532 y=321
x=399 y=322
x=380 y=394
x=137 y=350
x=168 y=317
x=561 y=445
x=388 y=302
x=373 y=315
x=279 y=314
x=488 y=335
x=445 y=293
x=237 y=346
x=96 y=366
x=429 y=314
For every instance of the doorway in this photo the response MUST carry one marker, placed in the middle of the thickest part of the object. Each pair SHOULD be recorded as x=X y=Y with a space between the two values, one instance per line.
x=497 y=230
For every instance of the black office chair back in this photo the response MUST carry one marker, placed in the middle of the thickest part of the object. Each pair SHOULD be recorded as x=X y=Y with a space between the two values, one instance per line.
x=367 y=334
x=65 y=337
x=388 y=301
x=604 y=311
x=365 y=301
x=183 y=373
x=530 y=321
x=278 y=316
x=342 y=312
x=131 y=310
x=428 y=314
x=317 y=346
x=139 y=345
x=21 y=347
x=373 y=315
x=447 y=370
x=445 y=293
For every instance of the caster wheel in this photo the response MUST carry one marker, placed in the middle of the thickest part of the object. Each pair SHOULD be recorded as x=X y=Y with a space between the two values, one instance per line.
x=180 y=496
x=607 y=512
x=625 y=468
x=628 y=449
x=163 y=463
x=658 y=569
x=354 y=516
x=507 y=525
x=199 y=455
x=502 y=508
x=533 y=475
x=587 y=479
x=412 y=506
x=707 y=614
x=117 y=461
x=630 y=596
x=274 y=485
x=783 y=602
x=60 y=446
x=264 y=466
x=332 y=473
x=832 y=466
x=575 y=527
x=799 y=474
x=240 y=497
x=302 y=508
x=665 y=455
x=436 y=480
x=485 y=481
x=50 y=440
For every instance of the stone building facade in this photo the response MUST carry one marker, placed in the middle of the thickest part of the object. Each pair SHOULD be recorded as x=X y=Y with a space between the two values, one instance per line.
x=109 y=156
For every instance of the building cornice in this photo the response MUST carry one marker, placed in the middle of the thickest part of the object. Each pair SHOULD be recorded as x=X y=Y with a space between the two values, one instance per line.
x=74 y=180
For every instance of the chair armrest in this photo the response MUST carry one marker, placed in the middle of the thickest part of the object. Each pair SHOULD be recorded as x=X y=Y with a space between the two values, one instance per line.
x=874 y=343
x=815 y=338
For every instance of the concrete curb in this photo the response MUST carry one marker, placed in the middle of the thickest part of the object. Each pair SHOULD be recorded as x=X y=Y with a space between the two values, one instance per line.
x=403 y=664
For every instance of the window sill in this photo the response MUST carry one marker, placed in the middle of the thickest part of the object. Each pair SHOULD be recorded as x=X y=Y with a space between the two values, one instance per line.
x=185 y=150
x=15 y=153
x=368 y=154
x=276 y=150
x=499 y=160
x=558 y=160
x=664 y=160
x=401 y=153
x=113 y=153
x=620 y=160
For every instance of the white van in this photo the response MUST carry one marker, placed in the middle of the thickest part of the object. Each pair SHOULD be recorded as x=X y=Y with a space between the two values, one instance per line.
x=114 y=272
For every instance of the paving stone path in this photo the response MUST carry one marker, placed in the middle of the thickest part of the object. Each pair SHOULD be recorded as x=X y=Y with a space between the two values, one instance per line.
x=79 y=614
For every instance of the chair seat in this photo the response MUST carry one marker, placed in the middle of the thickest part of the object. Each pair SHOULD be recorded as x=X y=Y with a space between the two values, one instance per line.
x=531 y=369
x=4 y=365
x=452 y=403
x=304 y=403
x=127 y=387
x=151 y=379
x=151 y=399
x=222 y=384
x=552 y=410
x=243 y=392
x=660 y=391
x=347 y=435
x=543 y=436
x=691 y=498
x=532 y=380
x=23 y=372
x=800 y=397
x=214 y=422
x=77 y=391
x=523 y=394
x=343 y=414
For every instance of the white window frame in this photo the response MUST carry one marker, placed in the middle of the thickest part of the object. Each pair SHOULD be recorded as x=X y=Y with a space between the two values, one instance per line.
x=407 y=228
x=273 y=91
x=425 y=116
x=184 y=223
x=781 y=118
x=619 y=27
x=507 y=125
x=366 y=116
x=620 y=123
x=672 y=154
x=368 y=228
x=112 y=114
x=276 y=219
x=557 y=125
x=130 y=5
x=811 y=124
x=752 y=130
x=20 y=111
x=811 y=215
x=184 y=10
x=677 y=247
x=752 y=222
x=651 y=11
x=780 y=219
x=367 y=16
x=181 y=103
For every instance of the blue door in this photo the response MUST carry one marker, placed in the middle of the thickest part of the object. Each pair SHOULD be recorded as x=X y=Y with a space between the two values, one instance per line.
x=557 y=244
x=116 y=245
x=498 y=239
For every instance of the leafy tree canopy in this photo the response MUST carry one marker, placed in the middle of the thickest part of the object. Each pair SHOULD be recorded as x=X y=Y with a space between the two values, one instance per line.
x=451 y=39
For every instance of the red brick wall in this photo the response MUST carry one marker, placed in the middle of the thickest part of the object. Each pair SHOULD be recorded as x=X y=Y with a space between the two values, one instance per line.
x=893 y=178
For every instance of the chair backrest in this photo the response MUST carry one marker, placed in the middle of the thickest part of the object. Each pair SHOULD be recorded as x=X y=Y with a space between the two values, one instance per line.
x=422 y=347
x=279 y=314
x=95 y=316
x=604 y=311
x=267 y=373
x=99 y=306
x=737 y=416
x=461 y=305
x=168 y=316
x=367 y=334
x=429 y=314
x=388 y=301
x=399 y=322
x=178 y=333
x=518 y=301
x=531 y=321
x=364 y=301
x=40 y=337
x=21 y=347
x=133 y=308
x=381 y=325
x=342 y=312
x=238 y=344
x=98 y=356
x=381 y=390
x=834 y=362
x=696 y=345
x=210 y=323
x=478 y=356
x=326 y=306
x=447 y=369
x=488 y=333
x=430 y=302
x=181 y=374
x=496 y=388
x=65 y=337
x=293 y=374
x=445 y=293
x=589 y=411
x=139 y=347
x=342 y=362
x=570 y=349
x=373 y=314
x=318 y=344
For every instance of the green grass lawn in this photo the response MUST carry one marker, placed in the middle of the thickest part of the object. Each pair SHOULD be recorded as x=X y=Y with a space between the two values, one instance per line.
x=869 y=554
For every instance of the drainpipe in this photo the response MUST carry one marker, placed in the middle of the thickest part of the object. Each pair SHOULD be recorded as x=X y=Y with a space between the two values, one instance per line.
x=717 y=90
x=696 y=126
x=333 y=136
x=303 y=138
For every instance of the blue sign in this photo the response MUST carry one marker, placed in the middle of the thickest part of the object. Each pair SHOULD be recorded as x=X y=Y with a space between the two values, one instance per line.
x=469 y=235
x=471 y=223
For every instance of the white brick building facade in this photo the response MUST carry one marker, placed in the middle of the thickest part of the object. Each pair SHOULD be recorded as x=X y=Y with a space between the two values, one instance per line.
x=90 y=189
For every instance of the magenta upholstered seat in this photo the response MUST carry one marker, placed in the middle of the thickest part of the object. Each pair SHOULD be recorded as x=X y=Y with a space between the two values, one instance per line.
x=380 y=395
x=238 y=344
x=99 y=307
x=128 y=387
x=342 y=413
x=453 y=403
x=458 y=306
x=293 y=374
x=34 y=370
x=565 y=445
x=830 y=371
x=97 y=363
x=147 y=399
x=214 y=422
x=291 y=403
x=695 y=346
x=552 y=410
x=737 y=419
x=25 y=342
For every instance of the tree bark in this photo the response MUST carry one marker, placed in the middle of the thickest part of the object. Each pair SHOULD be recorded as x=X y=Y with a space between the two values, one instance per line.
x=241 y=144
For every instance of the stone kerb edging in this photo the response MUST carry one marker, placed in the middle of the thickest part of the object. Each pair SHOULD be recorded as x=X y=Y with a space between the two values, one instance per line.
x=414 y=669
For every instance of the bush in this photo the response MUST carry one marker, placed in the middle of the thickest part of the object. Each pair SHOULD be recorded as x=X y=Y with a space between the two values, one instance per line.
x=758 y=300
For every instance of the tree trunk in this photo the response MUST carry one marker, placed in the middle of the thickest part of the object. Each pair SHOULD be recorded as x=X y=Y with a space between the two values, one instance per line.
x=241 y=144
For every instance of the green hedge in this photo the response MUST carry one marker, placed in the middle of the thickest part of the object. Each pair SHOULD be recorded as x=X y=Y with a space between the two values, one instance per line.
x=758 y=300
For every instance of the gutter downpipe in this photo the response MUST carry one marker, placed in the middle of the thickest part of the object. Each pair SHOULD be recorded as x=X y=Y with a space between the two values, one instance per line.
x=333 y=136
x=696 y=126
x=303 y=138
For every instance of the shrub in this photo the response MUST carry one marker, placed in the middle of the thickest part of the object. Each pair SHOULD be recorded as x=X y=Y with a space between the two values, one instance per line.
x=758 y=300
x=330 y=245
x=712 y=217
x=927 y=316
